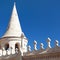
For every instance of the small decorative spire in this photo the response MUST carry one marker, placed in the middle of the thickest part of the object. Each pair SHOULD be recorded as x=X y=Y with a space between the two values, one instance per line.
x=56 y=43
x=48 y=41
x=29 y=48
x=35 y=45
x=41 y=46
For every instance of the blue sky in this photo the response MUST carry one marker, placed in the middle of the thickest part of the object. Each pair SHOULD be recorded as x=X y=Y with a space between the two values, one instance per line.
x=39 y=19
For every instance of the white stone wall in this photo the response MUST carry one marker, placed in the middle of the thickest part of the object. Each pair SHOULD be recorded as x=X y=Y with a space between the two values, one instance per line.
x=22 y=44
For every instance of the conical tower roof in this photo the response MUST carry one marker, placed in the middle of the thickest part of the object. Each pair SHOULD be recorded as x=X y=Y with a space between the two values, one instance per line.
x=14 y=28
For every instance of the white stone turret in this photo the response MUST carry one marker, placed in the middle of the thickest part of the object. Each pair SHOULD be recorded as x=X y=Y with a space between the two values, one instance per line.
x=14 y=28
x=14 y=36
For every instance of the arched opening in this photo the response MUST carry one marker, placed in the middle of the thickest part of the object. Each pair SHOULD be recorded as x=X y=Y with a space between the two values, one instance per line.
x=6 y=46
x=17 y=46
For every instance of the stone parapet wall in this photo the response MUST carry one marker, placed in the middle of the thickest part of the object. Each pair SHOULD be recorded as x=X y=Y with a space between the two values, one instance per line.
x=48 y=56
x=11 y=57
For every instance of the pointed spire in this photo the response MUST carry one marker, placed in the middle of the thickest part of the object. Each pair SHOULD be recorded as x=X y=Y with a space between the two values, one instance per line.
x=14 y=28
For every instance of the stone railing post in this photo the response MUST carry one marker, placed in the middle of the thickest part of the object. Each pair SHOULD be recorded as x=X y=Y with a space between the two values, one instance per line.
x=56 y=43
x=41 y=46
x=3 y=50
x=35 y=45
x=29 y=48
x=48 y=42
x=11 y=50
x=16 y=50
x=6 y=52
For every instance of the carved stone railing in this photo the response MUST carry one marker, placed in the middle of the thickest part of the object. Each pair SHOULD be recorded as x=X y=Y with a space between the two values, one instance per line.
x=49 y=49
x=8 y=52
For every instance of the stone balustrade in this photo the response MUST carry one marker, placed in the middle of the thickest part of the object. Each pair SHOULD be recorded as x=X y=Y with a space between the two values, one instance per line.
x=48 y=49
x=4 y=52
x=42 y=45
